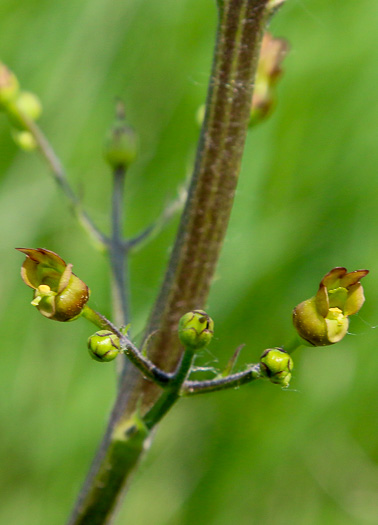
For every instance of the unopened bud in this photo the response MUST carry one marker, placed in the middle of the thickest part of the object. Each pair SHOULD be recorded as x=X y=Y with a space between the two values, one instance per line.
x=24 y=139
x=29 y=104
x=121 y=142
x=269 y=70
x=276 y=365
x=196 y=329
x=9 y=86
x=103 y=346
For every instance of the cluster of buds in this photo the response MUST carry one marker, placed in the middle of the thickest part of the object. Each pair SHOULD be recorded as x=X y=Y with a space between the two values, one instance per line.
x=58 y=293
x=269 y=71
x=324 y=319
x=196 y=330
x=20 y=107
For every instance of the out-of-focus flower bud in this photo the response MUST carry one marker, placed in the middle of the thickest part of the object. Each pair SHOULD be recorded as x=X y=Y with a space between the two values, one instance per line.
x=29 y=104
x=24 y=139
x=276 y=365
x=103 y=346
x=273 y=51
x=323 y=319
x=121 y=142
x=58 y=293
x=9 y=86
x=196 y=329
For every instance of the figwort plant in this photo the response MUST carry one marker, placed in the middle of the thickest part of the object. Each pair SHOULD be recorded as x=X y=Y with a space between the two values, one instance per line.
x=245 y=56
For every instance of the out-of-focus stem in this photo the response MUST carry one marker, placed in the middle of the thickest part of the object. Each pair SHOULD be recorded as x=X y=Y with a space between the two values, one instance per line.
x=117 y=252
x=60 y=178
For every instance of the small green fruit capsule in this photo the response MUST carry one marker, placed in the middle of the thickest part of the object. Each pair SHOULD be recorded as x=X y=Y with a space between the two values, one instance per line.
x=9 y=86
x=121 y=142
x=196 y=329
x=103 y=346
x=276 y=365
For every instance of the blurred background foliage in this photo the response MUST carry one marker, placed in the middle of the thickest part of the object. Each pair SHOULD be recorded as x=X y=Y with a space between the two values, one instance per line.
x=307 y=201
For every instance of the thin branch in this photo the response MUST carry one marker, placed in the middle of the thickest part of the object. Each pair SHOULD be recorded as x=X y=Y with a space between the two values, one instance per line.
x=60 y=178
x=118 y=255
x=191 y=388
x=173 y=208
x=147 y=367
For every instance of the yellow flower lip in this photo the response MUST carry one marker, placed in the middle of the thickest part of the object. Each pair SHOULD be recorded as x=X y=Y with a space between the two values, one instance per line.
x=44 y=289
x=324 y=319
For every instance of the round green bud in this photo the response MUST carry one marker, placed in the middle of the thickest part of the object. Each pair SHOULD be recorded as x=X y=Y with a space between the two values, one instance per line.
x=24 y=139
x=276 y=365
x=196 y=329
x=103 y=346
x=29 y=104
x=121 y=143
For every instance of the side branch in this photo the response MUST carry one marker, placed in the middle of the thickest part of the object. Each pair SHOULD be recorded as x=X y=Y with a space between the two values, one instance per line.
x=60 y=178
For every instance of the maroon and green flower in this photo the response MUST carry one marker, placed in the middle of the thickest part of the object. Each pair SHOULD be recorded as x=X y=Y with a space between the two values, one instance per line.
x=58 y=293
x=324 y=319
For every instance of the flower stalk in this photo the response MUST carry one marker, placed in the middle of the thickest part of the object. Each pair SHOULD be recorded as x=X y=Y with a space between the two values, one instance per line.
x=201 y=232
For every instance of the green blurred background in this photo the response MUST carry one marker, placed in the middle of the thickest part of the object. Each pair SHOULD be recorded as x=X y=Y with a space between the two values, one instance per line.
x=307 y=201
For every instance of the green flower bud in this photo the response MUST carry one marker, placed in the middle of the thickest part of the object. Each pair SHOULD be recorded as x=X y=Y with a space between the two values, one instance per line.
x=323 y=319
x=273 y=51
x=24 y=139
x=276 y=365
x=29 y=104
x=121 y=143
x=196 y=329
x=9 y=86
x=103 y=346
x=58 y=293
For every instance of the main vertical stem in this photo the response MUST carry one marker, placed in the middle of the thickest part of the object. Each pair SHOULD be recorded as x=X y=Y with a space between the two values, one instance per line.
x=196 y=251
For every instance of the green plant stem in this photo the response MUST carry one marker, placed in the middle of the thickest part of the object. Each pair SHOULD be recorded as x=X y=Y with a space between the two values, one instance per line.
x=171 y=393
x=191 y=388
x=201 y=232
x=59 y=175
x=295 y=343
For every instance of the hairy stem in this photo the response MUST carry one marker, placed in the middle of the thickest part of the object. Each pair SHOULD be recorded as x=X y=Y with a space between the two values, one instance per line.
x=148 y=369
x=200 y=236
x=213 y=385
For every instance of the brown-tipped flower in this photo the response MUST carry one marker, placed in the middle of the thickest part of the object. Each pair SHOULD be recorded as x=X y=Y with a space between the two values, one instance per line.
x=269 y=70
x=58 y=293
x=323 y=319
